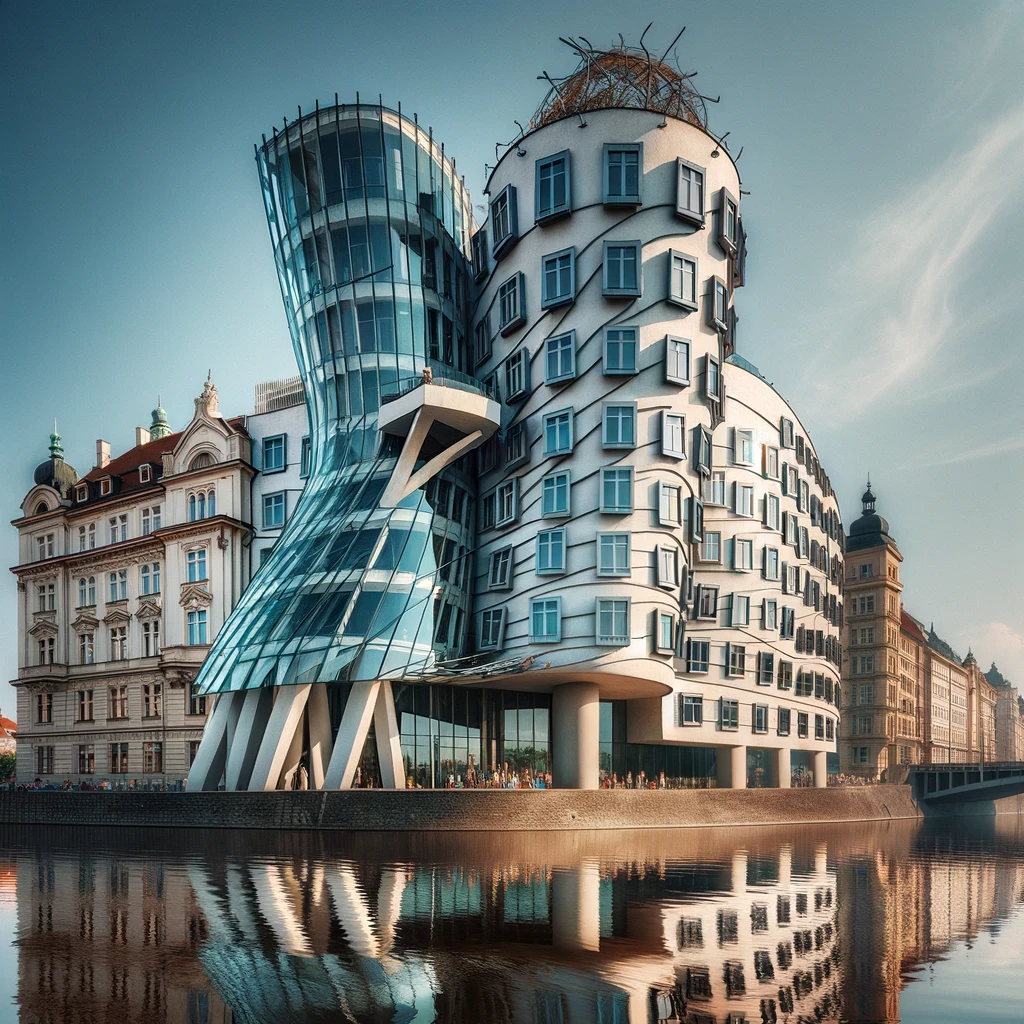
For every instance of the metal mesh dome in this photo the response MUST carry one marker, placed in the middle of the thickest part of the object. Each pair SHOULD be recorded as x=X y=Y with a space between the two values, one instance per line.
x=621 y=77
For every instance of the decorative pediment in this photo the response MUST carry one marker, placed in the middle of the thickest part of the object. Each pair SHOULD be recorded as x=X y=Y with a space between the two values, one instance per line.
x=195 y=595
x=149 y=609
x=44 y=628
x=85 y=623
x=117 y=617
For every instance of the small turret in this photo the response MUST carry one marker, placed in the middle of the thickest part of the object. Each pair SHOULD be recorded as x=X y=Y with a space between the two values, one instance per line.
x=159 y=427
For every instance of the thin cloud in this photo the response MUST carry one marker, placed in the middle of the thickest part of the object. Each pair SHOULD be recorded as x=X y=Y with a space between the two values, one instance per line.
x=1003 y=446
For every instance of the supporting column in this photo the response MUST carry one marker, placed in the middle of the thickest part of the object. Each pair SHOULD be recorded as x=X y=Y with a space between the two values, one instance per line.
x=783 y=771
x=731 y=767
x=576 y=908
x=348 y=744
x=247 y=736
x=575 y=732
x=820 y=769
x=211 y=756
x=286 y=717
x=389 y=741
x=318 y=714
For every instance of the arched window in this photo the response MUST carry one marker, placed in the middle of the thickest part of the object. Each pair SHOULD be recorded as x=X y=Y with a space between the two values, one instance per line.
x=191 y=508
x=211 y=503
x=41 y=508
x=92 y=590
x=81 y=593
x=202 y=461
x=201 y=506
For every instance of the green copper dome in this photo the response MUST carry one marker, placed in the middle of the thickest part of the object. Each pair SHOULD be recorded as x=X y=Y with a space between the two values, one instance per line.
x=159 y=427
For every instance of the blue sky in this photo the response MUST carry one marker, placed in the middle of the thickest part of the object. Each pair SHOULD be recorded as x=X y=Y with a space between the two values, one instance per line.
x=883 y=151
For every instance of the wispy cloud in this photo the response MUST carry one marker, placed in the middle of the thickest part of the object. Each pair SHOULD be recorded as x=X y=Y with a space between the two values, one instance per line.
x=998 y=642
x=948 y=456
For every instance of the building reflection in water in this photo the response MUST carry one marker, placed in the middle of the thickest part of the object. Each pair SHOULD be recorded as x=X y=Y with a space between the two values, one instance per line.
x=692 y=926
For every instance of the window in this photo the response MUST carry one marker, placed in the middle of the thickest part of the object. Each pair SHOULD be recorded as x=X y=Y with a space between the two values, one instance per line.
x=690 y=192
x=677 y=360
x=670 y=504
x=44 y=708
x=707 y=601
x=517 y=375
x=770 y=563
x=305 y=457
x=712 y=379
x=196 y=701
x=718 y=308
x=150 y=519
x=273 y=510
x=506 y=499
x=760 y=718
x=829 y=729
x=743 y=553
x=623 y=180
x=118 y=528
x=47 y=650
x=619 y=426
x=668 y=572
x=786 y=434
x=803 y=496
x=783 y=721
x=785 y=675
x=516 y=449
x=491 y=625
x=713 y=488
x=622 y=274
x=151 y=700
x=765 y=668
x=119 y=643
x=551 y=552
x=86 y=648
x=151 y=578
x=735 y=660
x=698 y=655
x=819 y=727
x=673 y=435
x=84 y=706
x=728 y=222
x=867 y=571
x=86 y=759
x=696 y=520
x=558 y=278
x=612 y=621
x=770 y=462
x=546 y=620
x=197 y=628
x=118 y=758
x=617 y=490
x=482 y=339
x=791 y=481
x=613 y=554
x=711 y=546
x=772 y=511
x=105 y=486
x=511 y=313
x=82 y=494
x=45 y=546
x=44 y=760
x=504 y=221
x=151 y=638
x=620 y=350
x=560 y=358
x=743 y=447
x=46 y=597
x=499 y=573
x=152 y=757
x=119 y=702
x=801 y=724
x=479 y=247
x=558 y=432
x=196 y=564
x=744 y=500
x=274 y=460
x=770 y=614
x=729 y=714
x=665 y=633
x=92 y=536
x=552 y=187
x=118 y=585
x=740 y=614
x=682 y=279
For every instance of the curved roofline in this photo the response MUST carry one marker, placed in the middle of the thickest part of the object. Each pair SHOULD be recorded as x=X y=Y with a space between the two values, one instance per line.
x=637 y=110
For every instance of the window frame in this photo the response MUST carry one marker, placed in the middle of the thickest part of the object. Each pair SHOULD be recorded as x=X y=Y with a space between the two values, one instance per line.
x=625 y=199
x=733 y=706
x=500 y=638
x=606 y=408
x=283 y=438
x=504 y=520
x=500 y=559
x=549 y=570
x=563 y=209
x=660 y=619
x=759 y=711
x=735 y=660
x=687 y=213
x=709 y=362
x=607 y=342
x=725 y=240
x=517 y=281
x=478 y=248
x=717 y=286
x=621 y=291
x=617 y=509
x=500 y=246
x=482 y=345
x=739 y=610
x=551 y=301
x=673 y=344
x=546 y=638
x=557 y=414
x=703 y=548
x=695 y=647
x=667 y=566
x=553 y=478
x=666 y=440
x=670 y=507
x=689 y=302
x=560 y=377
x=616 y=570
x=613 y=639
x=712 y=590
x=517 y=362
x=283 y=495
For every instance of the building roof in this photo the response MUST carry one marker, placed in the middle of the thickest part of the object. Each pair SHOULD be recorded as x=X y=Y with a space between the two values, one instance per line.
x=936 y=643
x=7 y=727
x=55 y=472
x=910 y=625
x=870 y=530
x=141 y=455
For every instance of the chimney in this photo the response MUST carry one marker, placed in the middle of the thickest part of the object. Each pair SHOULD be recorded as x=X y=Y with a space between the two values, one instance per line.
x=141 y=436
x=102 y=453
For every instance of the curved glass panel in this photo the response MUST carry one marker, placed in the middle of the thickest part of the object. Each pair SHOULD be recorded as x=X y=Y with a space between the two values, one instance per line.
x=370 y=229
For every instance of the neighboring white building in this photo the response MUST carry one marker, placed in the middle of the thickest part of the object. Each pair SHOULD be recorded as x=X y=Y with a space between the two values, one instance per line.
x=125 y=576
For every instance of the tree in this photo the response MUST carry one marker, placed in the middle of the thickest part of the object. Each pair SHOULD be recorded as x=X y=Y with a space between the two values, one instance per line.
x=8 y=766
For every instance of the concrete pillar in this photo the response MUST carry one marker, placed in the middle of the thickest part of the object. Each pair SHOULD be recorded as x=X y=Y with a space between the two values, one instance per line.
x=820 y=769
x=731 y=767
x=348 y=744
x=278 y=739
x=247 y=736
x=783 y=772
x=389 y=740
x=318 y=714
x=576 y=907
x=211 y=756
x=575 y=733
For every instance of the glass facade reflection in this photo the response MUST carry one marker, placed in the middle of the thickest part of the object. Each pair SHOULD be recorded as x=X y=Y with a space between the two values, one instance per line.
x=370 y=230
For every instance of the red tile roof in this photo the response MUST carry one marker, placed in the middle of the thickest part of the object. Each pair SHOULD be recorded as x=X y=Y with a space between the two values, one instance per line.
x=6 y=725
x=911 y=627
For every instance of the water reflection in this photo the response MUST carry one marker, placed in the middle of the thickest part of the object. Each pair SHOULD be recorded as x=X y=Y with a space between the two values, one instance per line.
x=718 y=926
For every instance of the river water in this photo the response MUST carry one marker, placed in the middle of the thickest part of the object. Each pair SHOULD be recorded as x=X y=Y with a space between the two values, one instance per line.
x=877 y=922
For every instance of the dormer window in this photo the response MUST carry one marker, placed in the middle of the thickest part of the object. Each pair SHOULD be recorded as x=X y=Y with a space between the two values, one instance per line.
x=105 y=485
x=145 y=474
x=202 y=461
x=82 y=492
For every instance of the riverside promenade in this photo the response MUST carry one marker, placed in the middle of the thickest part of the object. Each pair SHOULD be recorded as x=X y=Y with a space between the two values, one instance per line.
x=461 y=810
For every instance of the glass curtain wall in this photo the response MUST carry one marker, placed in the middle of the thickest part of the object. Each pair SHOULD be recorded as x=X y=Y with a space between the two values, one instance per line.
x=370 y=230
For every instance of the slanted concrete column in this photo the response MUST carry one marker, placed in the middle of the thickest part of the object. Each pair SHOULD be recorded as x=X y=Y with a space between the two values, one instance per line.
x=731 y=767
x=576 y=907
x=783 y=772
x=575 y=735
x=820 y=769
x=212 y=755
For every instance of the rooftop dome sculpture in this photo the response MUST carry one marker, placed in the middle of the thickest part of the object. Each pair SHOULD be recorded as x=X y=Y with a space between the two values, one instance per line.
x=55 y=472
x=624 y=76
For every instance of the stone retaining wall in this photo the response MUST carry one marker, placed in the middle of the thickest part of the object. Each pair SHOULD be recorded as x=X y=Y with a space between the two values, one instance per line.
x=460 y=810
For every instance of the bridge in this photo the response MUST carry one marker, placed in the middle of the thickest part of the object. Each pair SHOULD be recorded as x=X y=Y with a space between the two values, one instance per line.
x=954 y=783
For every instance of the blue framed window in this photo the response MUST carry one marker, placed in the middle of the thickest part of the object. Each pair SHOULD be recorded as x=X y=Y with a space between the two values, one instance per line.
x=622 y=269
x=558 y=432
x=196 y=563
x=511 y=311
x=555 y=489
x=550 y=552
x=546 y=620
x=552 y=187
x=619 y=426
x=558 y=278
x=612 y=614
x=197 y=634
x=504 y=221
x=273 y=510
x=617 y=490
x=560 y=358
x=621 y=350
x=623 y=174
x=305 y=458
x=274 y=454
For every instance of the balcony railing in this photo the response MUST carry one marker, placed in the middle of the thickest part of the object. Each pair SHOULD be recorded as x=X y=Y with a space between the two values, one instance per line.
x=450 y=379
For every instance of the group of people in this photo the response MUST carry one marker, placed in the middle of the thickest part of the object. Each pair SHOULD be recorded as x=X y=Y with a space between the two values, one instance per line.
x=505 y=777
x=629 y=781
x=90 y=786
